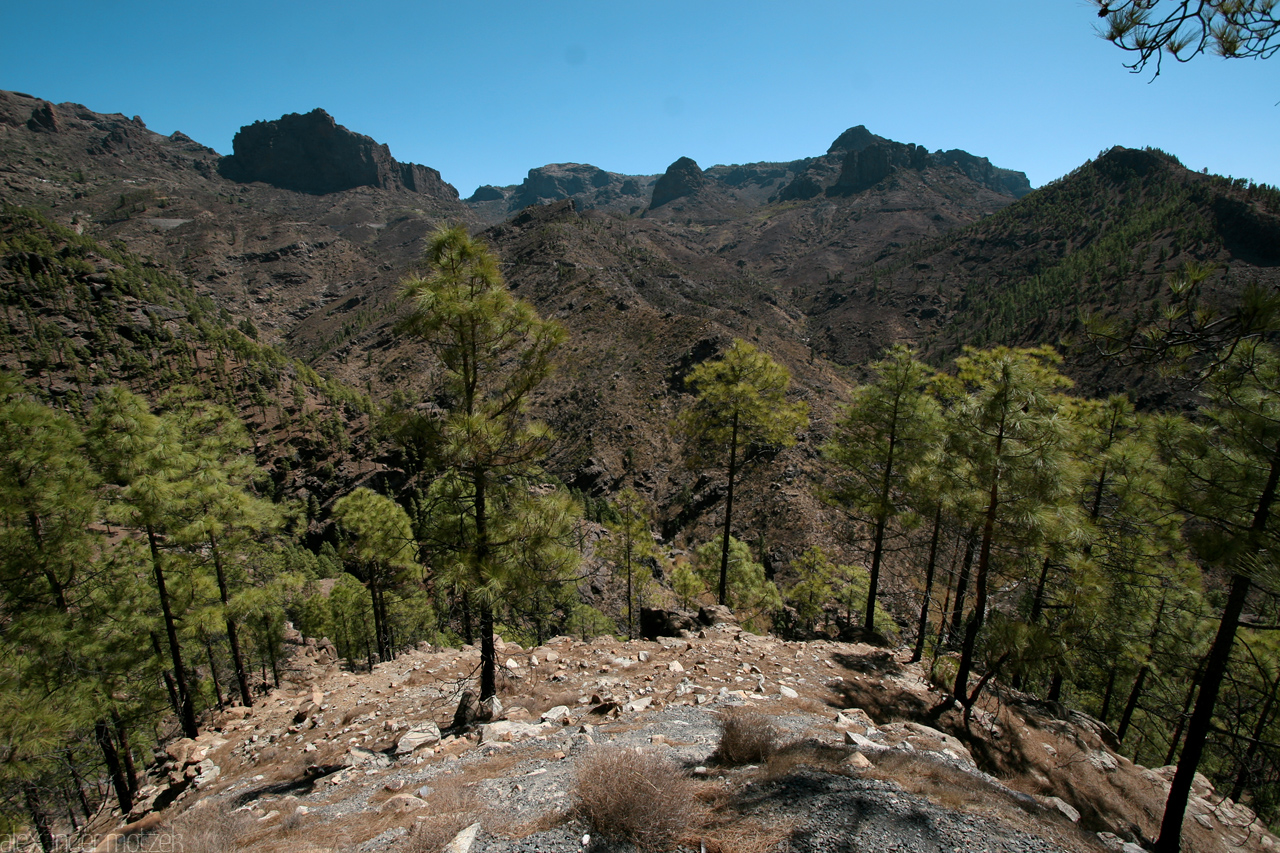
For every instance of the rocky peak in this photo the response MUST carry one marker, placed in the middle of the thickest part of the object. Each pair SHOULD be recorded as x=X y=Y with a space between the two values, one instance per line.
x=854 y=139
x=314 y=154
x=682 y=178
x=865 y=167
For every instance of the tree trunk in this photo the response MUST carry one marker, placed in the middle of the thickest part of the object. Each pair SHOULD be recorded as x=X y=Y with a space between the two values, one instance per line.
x=186 y=705
x=1216 y=662
x=169 y=687
x=78 y=783
x=1215 y=668
x=488 y=654
x=882 y=519
x=39 y=819
x=233 y=639
x=126 y=754
x=978 y=614
x=1184 y=713
x=213 y=673
x=1107 y=694
x=962 y=584
x=1037 y=601
x=723 y=596
x=112 y=759
x=1246 y=764
x=1129 y=706
x=923 y=626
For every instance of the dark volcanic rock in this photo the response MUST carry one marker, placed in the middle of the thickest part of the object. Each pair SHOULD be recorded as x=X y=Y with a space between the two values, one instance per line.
x=682 y=178
x=312 y=153
x=560 y=180
x=980 y=169
x=488 y=192
x=854 y=139
x=866 y=167
x=43 y=118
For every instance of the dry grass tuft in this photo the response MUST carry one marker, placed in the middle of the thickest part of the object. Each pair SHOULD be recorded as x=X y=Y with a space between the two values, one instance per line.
x=746 y=737
x=941 y=783
x=639 y=797
x=817 y=756
x=452 y=806
x=209 y=829
x=747 y=835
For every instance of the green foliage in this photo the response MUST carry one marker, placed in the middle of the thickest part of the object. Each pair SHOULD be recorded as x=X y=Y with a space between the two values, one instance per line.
x=495 y=351
x=814 y=586
x=629 y=546
x=741 y=400
x=752 y=596
x=687 y=585
x=886 y=430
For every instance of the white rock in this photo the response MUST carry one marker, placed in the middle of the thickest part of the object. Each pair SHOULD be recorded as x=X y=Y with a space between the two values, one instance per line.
x=508 y=731
x=464 y=840
x=559 y=715
x=403 y=803
x=423 y=734
x=787 y=692
x=208 y=772
x=675 y=666
x=1067 y=810
x=863 y=743
x=638 y=704
x=857 y=760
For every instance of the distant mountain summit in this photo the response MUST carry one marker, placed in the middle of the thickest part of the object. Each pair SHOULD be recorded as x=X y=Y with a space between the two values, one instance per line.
x=314 y=154
x=856 y=161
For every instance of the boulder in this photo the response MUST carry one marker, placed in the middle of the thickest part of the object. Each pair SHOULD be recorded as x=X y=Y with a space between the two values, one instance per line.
x=559 y=715
x=508 y=731
x=423 y=734
x=716 y=614
x=463 y=841
x=655 y=622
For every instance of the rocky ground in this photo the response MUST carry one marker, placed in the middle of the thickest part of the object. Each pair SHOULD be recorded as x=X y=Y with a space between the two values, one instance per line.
x=334 y=760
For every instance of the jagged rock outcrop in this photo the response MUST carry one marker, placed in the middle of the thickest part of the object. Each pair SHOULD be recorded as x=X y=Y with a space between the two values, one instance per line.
x=682 y=178
x=43 y=119
x=859 y=159
x=864 y=168
x=590 y=188
x=314 y=154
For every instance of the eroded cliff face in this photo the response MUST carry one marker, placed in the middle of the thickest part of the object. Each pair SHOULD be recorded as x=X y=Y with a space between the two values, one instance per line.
x=314 y=154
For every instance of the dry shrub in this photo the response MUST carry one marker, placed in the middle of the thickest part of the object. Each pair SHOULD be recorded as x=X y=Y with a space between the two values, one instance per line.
x=452 y=806
x=746 y=737
x=817 y=756
x=945 y=785
x=541 y=702
x=748 y=835
x=209 y=829
x=640 y=797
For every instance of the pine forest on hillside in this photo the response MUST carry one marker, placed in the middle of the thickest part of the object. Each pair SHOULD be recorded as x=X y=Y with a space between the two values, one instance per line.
x=1035 y=447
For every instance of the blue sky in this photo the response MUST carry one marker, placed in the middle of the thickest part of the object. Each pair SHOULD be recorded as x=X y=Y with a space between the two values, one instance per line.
x=484 y=91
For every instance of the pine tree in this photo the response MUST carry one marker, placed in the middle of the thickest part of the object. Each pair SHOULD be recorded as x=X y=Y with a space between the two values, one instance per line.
x=753 y=596
x=1007 y=441
x=741 y=400
x=145 y=456
x=219 y=514
x=495 y=352
x=1224 y=473
x=886 y=430
x=630 y=544
x=381 y=545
